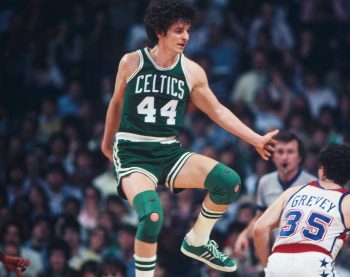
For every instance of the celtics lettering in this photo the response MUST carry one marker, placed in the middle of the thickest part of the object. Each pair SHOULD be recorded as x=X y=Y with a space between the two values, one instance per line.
x=153 y=83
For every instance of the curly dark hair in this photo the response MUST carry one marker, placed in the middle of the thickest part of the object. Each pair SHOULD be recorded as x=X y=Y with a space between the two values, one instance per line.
x=335 y=158
x=160 y=14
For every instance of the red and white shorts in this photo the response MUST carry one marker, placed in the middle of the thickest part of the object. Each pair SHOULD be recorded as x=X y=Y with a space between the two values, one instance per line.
x=305 y=264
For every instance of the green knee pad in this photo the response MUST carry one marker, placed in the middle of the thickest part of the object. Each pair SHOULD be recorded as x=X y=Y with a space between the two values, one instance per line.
x=223 y=184
x=150 y=213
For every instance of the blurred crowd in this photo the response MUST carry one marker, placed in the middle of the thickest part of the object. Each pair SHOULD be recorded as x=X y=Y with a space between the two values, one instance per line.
x=275 y=64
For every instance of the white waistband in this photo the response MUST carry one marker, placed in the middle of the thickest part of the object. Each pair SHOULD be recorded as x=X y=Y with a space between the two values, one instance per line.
x=140 y=138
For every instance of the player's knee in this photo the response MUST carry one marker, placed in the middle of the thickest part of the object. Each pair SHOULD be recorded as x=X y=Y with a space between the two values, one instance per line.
x=223 y=184
x=150 y=213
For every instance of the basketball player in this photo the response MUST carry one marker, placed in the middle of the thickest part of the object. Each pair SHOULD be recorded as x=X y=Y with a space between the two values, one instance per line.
x=313 y=220
x=152 y=88
x=288 y=159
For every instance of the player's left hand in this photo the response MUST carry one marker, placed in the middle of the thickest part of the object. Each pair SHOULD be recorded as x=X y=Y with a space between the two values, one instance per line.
x=16 y=264
x=267 y=146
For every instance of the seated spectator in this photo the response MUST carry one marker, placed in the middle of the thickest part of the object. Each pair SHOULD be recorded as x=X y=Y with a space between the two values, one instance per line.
x=58 y=257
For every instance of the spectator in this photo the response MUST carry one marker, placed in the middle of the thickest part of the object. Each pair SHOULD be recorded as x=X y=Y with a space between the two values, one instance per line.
x=58 y=257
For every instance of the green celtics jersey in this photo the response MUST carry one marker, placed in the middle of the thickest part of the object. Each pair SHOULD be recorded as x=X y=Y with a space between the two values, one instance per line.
x=155 y=98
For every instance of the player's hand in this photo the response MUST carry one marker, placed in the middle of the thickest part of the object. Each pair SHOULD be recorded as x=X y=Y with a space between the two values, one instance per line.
x=16 y=264
x=267 y=146
x=241 y=245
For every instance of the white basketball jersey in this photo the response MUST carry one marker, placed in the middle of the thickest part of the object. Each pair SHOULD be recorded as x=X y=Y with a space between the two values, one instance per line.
x=312 y=220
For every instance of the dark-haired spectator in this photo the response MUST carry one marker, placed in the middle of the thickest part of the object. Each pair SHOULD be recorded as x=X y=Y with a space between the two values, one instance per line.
x=96 y=246
x=89 y=269
x=39 y=201
x=126 y=236
x=41 y=232
x=49 y=120
x=11 y=261
x=112 y=267
x=12 y=233
x=70 y=231
x=58 y=189
x=58 y=257
x=271 y=19
x=88 y=216
x=120 y=210
x=250 y=82
x=15 y=183
x=34 y=170
x=317 y=95
x=72 y=206
x=70 y=102
x=58 y=149
x=84 y=170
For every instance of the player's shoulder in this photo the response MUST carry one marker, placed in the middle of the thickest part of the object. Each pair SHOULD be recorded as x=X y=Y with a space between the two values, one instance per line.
x=288 y=193
x=192 y=67
x=129 y=63
x=130 y=59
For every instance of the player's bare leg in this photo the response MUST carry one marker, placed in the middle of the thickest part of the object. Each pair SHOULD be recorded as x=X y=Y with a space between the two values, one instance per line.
x=140 y=192
x=223 y=185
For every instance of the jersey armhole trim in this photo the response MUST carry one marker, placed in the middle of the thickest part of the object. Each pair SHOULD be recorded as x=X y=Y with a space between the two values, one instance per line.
x=184 y=69
x=139 y=67
x=340 y=210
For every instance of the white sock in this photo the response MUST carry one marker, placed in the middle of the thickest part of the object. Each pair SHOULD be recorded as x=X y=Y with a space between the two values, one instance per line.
x=144 y=267
x=200 y=232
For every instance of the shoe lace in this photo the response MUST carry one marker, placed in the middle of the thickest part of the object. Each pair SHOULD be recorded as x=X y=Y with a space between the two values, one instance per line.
x=212 y=247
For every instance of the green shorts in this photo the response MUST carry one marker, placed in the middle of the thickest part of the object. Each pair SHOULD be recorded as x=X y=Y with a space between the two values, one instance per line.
x=158 y=158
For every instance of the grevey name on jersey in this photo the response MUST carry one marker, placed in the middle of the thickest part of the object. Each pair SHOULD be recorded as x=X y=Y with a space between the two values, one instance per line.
x=309 y=200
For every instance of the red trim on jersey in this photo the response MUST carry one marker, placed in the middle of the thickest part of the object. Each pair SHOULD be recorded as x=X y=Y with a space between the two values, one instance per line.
x=342 y=190
x=299 y=248
x=314 y=184
x=318 y=185
x=343 y=236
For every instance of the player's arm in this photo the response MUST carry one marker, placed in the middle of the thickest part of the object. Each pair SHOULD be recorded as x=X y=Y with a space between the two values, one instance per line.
x=346 y=210
x=128 y=64
x=242 y=242
x=205 y=100
x=268 y=221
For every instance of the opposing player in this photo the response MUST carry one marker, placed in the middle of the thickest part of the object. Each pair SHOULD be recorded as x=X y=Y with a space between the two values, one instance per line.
x=313 y=220
x=14 y=263
x=288 y=159
x=152 y=88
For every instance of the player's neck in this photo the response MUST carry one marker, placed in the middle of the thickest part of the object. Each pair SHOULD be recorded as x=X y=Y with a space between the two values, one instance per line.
x=329 y=184
x=162 y=56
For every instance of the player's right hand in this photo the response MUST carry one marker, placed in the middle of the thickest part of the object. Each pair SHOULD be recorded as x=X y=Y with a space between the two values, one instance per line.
x=241 y=246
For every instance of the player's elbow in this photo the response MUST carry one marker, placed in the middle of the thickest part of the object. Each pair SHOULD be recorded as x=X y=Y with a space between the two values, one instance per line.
x=106 y=150
x=259 y=229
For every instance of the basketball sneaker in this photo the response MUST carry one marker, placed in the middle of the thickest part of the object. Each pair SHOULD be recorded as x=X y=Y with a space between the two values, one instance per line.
x=209 y=254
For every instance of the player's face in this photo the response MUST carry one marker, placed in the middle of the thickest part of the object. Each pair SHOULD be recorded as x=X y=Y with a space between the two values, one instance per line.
x=177 y=36
x=286 y=157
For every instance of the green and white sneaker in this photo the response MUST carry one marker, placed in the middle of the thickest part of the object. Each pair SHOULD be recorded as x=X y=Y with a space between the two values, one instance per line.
x=209 y=254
